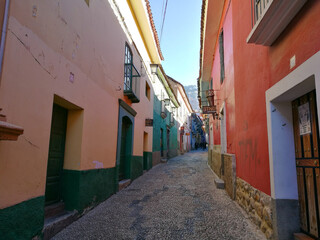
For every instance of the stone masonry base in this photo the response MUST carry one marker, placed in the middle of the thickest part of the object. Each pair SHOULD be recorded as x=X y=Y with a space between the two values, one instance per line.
x=257 y=204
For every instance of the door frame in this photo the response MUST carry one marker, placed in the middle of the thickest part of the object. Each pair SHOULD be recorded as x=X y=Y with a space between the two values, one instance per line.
x=283 y=178
x=60 y=197
x=124 y=111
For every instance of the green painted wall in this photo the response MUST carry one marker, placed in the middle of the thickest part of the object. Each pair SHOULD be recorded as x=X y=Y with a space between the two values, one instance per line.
x=174 y=137
x=158 y=123
x=147 y=160
x=136 y=167
x=82 y=189
x=22 y=221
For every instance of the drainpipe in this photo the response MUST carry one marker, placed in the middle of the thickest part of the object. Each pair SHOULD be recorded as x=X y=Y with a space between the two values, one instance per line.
x=8 y=131
x=4 y=33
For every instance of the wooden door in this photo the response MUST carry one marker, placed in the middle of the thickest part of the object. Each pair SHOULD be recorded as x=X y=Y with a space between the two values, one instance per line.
x=161 y=142
x=306 y=136
x=56 y=154
x=168 y=142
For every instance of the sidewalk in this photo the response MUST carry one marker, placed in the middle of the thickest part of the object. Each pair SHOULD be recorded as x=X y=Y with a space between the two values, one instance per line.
x=176 y=200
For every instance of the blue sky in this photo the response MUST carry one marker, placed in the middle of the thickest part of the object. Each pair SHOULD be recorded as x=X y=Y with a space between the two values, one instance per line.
x=180 y=42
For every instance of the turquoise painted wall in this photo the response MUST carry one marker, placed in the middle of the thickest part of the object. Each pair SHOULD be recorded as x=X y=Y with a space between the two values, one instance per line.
x=158 y=123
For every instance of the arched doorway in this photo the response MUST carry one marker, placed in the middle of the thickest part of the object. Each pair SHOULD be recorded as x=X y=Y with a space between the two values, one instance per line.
x=125 y=149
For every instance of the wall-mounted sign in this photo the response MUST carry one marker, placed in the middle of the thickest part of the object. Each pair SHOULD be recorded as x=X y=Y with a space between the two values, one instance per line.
x=209 y=109
x=304 y=119
x=210 y=93
x=149 y=122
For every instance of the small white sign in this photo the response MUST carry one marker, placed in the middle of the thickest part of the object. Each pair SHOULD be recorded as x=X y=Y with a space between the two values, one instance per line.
x=304 y=119
x=292 y=61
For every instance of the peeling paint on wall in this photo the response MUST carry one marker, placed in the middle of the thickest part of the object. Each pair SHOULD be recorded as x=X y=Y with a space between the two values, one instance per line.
x=98 y=164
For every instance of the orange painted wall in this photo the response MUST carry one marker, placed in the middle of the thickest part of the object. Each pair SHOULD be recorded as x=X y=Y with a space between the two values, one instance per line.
x=40 y=53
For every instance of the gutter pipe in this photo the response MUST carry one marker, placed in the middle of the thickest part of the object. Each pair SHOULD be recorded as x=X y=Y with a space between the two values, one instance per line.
x=4 y=33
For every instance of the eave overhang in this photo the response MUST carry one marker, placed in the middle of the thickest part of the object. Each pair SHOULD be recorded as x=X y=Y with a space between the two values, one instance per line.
x=142 y=14
x=164 y=79
x=210 y=23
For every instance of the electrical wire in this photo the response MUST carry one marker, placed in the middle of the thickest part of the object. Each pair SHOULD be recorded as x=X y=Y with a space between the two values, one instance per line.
x=162 y=10
x=163 y=19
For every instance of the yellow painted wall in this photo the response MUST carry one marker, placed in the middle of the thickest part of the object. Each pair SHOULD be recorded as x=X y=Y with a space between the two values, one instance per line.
x=46 y=41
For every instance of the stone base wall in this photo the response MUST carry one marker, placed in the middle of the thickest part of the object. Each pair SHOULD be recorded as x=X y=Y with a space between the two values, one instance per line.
x=156 y=156
x=257 y=204
x=228 y=173
x=172 y=153
x=214 y=160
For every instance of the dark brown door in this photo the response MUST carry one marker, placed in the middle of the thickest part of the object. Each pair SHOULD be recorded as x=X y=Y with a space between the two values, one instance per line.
x=56 y=154
x=306 y=135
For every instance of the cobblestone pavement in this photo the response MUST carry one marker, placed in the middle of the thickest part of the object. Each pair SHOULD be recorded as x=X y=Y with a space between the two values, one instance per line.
x=176 y=200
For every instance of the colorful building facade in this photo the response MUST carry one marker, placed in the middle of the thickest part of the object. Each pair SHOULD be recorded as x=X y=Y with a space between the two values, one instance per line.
x=183 y=116
x=164 y=119
x=81 y=95
x=261 y=91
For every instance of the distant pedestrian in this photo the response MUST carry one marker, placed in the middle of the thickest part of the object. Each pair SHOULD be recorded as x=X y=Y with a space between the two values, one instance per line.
x=204 y=145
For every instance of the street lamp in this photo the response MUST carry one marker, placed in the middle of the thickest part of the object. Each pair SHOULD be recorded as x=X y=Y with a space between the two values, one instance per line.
x=166 y=101
x=154 y=68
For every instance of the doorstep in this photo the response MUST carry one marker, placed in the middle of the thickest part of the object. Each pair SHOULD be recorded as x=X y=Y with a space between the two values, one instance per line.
x=124 y=183
x=164 y=160
x=302 y=236
x=53 y=210
x=219 y=183
x=55 y=224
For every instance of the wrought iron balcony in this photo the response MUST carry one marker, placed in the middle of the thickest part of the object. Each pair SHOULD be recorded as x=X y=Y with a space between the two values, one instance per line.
x=131 y=82
x=270 y=17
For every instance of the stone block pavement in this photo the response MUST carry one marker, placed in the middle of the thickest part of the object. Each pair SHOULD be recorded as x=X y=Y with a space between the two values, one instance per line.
x=173 y=200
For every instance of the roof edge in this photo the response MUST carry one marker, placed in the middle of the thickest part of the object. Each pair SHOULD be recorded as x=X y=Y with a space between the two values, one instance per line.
x=155 y=33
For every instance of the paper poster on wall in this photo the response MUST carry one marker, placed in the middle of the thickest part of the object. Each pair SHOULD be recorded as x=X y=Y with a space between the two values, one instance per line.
x=304 y=119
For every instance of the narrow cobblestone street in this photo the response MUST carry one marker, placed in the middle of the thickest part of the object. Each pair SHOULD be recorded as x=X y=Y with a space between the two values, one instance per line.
x=177 y=200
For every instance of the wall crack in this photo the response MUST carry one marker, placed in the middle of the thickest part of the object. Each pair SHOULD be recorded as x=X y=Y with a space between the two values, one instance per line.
x=34 y=57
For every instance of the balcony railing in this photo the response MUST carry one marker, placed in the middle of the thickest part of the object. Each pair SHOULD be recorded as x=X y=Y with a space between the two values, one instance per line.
x=258 y=7
x=131 y=82
x=270 y=17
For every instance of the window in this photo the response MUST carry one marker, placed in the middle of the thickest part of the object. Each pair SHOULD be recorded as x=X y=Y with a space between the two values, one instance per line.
x=127 y=68
x=221 y=52
x=147 y=91
x=131 y=85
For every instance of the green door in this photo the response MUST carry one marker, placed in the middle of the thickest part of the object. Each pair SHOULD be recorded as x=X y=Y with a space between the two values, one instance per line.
x=56 y=154
x=126 y=146
x=161 y=142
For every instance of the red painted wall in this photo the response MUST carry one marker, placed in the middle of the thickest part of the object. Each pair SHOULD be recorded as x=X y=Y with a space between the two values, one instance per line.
x=250 y=71
x=257 y=68
x=252 y=78
x=301 y=38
